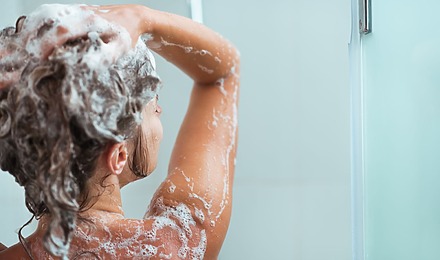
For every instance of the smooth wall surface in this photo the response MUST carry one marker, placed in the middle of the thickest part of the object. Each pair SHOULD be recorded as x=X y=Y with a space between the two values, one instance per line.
x=401 y=60
x=292 y=185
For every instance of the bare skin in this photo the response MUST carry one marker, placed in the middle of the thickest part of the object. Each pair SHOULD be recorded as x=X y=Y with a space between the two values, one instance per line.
x=191 y=209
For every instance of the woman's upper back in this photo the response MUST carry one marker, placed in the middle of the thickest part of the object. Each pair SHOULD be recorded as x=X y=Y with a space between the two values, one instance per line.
x=159 y=237
x=174 y=235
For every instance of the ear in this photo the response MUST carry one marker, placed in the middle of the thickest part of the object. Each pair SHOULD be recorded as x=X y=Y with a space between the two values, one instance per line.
x=117 y=158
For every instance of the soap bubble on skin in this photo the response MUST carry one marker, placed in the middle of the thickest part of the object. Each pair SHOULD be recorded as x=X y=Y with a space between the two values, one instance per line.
x=183 y=251
x=191 y=186
x=224 y=201
x=205 y=69
x=215 y=118
x=198 y=252
x=221 y=85
x=204 y=52
x=187 y=49
x=207 y=205
x=199 y=214
x=164 y=256
x=148 y=250
x=178 y=170
x=171 y=188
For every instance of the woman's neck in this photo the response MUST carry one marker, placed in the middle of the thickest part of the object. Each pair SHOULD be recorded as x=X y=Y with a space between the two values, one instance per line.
x=105 y=196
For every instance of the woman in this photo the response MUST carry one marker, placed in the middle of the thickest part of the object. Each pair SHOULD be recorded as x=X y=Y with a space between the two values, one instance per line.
x=79 y=120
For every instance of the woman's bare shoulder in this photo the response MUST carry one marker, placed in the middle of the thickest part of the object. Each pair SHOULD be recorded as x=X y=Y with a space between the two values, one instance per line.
x=156 y=237
x=14 y=252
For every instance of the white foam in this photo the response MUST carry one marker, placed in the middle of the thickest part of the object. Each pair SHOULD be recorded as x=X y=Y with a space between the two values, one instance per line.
x=148 y=250
x=72 y=18
x=199 y=214
x=220 y=83
x=165 y=256
x=187 y=49
x=215 y=118
x=179 y=218
x=198 y=252
x=206 y=204
x=171 y=188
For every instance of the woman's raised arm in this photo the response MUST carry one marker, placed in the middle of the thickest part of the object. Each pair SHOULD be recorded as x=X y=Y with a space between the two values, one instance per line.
x=202 y=165
x=197 y=50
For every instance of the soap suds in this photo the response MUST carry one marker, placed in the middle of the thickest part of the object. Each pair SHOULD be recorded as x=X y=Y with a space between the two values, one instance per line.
x=187 y=49
x=177 y=169
x=215 y=118
x=190 y=49
x=205 y=69
x=207 y=205
x=171 y=188
x=178 y=218
x=232 y=123
x=220 y=84
x=70 y=17
x=199 y=214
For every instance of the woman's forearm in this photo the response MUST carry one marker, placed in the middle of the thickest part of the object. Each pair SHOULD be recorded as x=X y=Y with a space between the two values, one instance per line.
x=194 y=48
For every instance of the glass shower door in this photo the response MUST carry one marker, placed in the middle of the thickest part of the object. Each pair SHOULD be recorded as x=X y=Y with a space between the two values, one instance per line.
x=396 y=171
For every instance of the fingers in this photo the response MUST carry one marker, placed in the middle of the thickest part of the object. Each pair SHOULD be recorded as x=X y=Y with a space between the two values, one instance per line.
x=127 y=16
x=52 y=26
x=66 y=23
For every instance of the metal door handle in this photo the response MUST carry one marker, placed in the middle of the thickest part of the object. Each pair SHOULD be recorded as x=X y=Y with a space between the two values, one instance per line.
x=364 y=16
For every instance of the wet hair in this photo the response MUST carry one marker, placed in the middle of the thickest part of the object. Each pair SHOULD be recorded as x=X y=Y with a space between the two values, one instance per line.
x=59 y=116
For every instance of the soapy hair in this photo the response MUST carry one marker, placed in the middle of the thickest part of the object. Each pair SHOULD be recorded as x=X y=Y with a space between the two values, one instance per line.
x=60 y=115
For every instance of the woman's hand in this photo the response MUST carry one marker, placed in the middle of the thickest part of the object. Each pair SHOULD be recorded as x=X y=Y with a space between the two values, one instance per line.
x=136 y=19
x=52 y=26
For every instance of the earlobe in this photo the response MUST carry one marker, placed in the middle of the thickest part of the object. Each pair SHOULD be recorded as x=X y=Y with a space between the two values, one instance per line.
x=117 y=158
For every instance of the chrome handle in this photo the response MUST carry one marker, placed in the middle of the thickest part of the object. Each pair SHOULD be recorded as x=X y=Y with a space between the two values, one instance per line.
x=364 y=16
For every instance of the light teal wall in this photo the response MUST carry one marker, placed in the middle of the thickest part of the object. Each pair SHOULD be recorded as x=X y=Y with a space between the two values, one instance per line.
x=292 y=185
x=401 y=62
